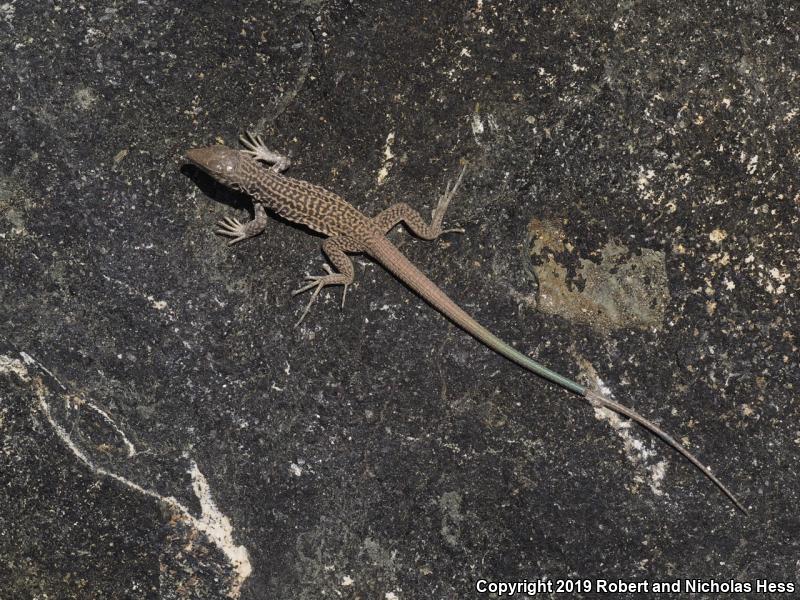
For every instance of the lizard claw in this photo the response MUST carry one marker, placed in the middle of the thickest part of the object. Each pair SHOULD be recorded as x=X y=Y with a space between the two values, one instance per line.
x=317 y=282
x=257 y=149
x=444 y=201
x=314 y=283
x=253 y=144
x=232 y=228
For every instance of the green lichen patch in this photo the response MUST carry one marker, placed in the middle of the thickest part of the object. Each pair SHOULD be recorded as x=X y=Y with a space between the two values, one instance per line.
x=621 y=289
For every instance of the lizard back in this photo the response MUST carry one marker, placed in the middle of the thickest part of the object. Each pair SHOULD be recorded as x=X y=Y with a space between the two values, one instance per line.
x=302 y=202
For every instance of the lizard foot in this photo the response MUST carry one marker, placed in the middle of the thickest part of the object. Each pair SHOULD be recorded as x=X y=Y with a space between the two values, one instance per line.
x=256 y=148
x=444 y=202
x=232 y=228
x=318 y=282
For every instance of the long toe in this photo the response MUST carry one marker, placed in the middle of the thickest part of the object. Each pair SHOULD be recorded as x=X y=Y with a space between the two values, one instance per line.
x=305 y=288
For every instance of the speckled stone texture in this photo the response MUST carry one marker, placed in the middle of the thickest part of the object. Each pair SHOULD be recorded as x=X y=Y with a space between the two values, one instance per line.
x=167 y=433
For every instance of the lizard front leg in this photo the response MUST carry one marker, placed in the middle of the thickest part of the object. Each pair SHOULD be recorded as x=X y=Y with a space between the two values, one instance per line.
x=402 y=212
x=239 y=231
x=334 y=248
x=255 y=147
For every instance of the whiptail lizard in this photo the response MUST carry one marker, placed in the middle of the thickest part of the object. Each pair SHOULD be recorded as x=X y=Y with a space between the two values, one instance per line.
x=349 y=230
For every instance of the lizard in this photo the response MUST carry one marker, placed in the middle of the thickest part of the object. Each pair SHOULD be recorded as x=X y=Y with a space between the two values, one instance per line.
x=348 y=230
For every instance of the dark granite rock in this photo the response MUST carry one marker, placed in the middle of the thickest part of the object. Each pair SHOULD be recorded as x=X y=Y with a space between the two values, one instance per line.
x=167 y=433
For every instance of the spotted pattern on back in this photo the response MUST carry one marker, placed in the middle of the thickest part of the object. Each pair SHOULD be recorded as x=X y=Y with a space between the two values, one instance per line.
x=302 y=202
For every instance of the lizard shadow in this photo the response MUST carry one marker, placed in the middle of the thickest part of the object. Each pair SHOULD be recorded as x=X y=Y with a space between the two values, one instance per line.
x=217 y=191
x=221 y=193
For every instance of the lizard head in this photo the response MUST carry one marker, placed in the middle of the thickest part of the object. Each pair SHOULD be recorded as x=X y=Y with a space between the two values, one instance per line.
x=220 y=162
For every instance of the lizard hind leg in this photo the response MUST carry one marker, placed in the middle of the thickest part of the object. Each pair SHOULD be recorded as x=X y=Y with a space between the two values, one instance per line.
x=334 y=248
x=402 y=212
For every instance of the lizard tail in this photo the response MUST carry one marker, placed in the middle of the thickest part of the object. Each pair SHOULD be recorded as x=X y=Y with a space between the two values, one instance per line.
x=402 y=268
x=596 y=399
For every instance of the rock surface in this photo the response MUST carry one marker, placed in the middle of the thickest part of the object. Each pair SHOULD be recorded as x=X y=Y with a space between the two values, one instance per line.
x=167 y=433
